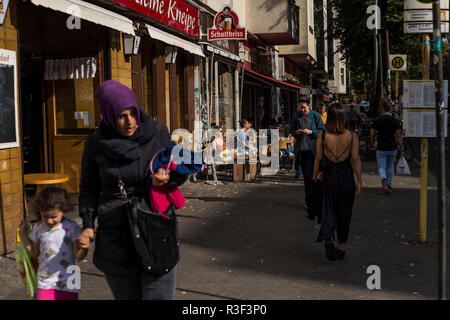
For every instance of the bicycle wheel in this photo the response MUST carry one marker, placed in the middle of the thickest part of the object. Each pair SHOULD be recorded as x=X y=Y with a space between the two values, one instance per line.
x=366 y=150
x=409 y=150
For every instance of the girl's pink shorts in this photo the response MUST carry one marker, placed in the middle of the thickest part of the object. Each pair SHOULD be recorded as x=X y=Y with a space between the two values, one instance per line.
x=52 y=294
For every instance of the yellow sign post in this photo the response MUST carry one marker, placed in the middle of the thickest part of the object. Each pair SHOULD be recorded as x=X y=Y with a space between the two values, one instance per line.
x=424 y=150
x=397 y=62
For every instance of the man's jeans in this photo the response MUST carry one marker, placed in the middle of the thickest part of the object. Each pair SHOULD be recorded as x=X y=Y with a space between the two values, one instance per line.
x=143 y=286
x=386 y=165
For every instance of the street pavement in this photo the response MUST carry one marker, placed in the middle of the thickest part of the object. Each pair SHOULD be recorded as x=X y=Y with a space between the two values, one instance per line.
x=254 y=241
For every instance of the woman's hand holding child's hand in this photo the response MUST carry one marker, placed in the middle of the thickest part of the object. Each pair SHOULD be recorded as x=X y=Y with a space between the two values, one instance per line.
x=84 y=241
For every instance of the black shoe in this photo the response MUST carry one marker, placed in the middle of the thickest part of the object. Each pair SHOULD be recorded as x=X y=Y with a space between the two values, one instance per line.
x=389 y=189
x=385 y=186
x=341 y=255
x=297 y=176
x=330 y=250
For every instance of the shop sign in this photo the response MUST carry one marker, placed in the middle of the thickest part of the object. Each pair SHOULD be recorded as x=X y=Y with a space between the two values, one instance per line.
x=9 y=123
x=3 y=8
x=226 y=26
x=62 y=69
x=174 y=13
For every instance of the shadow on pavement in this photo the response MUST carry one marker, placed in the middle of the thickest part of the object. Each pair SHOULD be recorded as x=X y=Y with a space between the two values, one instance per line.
x=268 y=233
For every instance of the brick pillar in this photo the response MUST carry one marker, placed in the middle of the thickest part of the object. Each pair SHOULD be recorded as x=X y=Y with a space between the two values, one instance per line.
x=11 y=186
x=120 y=64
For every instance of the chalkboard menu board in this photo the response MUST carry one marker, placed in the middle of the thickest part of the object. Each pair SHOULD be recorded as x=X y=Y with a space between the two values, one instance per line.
x=9 y=136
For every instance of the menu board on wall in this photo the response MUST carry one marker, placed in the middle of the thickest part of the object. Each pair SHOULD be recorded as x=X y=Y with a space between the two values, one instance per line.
x=9 y=123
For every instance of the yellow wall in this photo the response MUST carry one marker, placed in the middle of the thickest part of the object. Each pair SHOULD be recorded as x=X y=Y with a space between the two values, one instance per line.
x=11 y=187
x=70 y=96
x=120 y=66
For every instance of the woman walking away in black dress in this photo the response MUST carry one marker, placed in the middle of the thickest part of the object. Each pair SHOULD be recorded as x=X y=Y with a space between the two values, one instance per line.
x=340 y=150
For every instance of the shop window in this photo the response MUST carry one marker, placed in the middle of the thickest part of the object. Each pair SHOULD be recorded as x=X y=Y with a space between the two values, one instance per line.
x=75 y=111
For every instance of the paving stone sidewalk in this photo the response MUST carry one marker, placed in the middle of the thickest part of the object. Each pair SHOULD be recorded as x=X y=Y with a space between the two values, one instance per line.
x=253 y=241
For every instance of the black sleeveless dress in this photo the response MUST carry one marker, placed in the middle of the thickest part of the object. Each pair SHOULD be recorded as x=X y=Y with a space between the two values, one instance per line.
x=339 y=194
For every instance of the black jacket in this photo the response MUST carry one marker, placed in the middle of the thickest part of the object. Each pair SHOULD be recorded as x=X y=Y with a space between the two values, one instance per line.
x=99 y=193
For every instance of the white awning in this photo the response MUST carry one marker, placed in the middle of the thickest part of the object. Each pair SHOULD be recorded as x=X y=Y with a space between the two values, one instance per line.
x=223 y=53
x=174 y=41
x=89 y=12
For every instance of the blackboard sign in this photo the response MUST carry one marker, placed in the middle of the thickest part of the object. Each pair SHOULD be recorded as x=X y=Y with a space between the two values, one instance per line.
x=9 y=136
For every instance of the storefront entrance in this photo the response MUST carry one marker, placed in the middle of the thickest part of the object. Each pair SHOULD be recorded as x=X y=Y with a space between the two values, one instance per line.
x=34 y=149
x=60 y=70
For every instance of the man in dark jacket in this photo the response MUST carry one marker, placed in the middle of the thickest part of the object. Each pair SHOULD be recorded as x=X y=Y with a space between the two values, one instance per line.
x=125 y=143
x=305 y=130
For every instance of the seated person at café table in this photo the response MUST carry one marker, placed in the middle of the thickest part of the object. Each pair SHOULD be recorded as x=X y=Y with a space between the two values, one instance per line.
x=242 y=143
x=286 y=136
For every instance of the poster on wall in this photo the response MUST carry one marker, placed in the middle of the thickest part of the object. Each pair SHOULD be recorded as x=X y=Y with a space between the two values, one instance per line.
x=3 y=9
x=9 y=123
x=226 y=26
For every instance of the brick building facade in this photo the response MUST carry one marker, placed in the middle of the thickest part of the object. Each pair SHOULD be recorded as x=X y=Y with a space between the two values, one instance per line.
x=11 y=183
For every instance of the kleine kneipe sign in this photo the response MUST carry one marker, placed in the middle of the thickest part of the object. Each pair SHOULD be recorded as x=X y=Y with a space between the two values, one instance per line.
x=226 y=26
x=174 y=13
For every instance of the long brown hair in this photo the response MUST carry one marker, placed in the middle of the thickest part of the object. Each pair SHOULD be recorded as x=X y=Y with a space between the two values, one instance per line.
x=336 y=120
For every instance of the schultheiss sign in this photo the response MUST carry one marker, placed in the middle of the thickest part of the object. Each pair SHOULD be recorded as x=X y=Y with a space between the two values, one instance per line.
x=175 y=13
x=226 y=26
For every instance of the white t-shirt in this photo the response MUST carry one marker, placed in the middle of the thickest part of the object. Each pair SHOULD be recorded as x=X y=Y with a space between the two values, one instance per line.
x=56 y=254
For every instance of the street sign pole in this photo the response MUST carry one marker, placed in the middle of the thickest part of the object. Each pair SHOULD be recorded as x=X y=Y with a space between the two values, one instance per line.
x=437 y=60
x=397 y=111
x=397 y=62
x=424 y=150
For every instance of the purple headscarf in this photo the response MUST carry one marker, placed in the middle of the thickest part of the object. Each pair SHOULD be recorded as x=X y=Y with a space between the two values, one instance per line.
x=113 y=97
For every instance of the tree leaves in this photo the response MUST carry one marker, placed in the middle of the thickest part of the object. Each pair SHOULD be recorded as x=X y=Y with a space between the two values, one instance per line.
x=357 y=41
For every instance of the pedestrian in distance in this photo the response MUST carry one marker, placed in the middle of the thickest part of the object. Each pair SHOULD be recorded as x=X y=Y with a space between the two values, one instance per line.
x=305 y=129
x=121 y=150
x=389 y=137
x=322 y=109
x=56 y=243
x=352 y=118
x=339 y=149
x=242 y=140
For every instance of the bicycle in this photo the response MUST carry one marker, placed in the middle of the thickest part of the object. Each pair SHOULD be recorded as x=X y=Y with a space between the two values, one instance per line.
x=367 y=149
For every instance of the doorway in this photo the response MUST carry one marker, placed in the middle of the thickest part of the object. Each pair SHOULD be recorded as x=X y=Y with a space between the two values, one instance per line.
x=33 y=119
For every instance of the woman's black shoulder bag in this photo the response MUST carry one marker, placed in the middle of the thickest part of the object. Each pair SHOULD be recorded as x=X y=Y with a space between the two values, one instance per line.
x=154 y=237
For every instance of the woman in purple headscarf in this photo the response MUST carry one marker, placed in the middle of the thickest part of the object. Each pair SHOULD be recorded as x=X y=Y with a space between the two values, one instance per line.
x=126 y=141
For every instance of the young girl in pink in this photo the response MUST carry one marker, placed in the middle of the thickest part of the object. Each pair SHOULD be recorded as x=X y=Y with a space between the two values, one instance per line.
x=56 y=242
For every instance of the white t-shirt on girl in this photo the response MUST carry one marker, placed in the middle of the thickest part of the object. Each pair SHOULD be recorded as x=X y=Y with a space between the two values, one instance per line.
x=56 y=254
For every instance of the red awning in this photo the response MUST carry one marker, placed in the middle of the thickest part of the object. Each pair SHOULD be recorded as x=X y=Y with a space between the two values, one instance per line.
x=274 y=82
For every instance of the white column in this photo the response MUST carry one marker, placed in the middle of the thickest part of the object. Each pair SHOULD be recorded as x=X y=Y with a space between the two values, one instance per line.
x=207 y=92
x=236 y=97
x=216 y=79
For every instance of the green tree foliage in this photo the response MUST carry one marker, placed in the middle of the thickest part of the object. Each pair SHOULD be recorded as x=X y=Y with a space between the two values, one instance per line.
x=357 y=41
